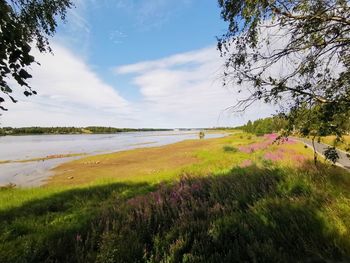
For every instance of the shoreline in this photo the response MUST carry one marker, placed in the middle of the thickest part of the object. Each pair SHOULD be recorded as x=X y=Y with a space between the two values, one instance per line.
x=43 y=168
x=125 y=161
x=49 y=157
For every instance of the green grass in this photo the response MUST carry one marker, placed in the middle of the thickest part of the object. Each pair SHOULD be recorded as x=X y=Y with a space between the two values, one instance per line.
x=40 y=224
x=212 y=210
x=245 y=215
x=228 y=148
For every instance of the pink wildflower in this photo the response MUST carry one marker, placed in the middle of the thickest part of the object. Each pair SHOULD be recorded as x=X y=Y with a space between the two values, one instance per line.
x=246 y=163
x=274 y=156
x=254 y=147
x=298 y=158
x=271 y=137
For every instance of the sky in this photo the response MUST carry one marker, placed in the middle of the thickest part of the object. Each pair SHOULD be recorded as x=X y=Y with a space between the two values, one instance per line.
x=133 y=63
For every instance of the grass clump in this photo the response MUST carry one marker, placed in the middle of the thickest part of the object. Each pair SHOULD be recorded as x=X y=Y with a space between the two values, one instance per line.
x=229 y=148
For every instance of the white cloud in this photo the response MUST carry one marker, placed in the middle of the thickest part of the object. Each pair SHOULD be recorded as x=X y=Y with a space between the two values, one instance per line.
x=69 y=93
x=186 y=90
x=183 y=90
x=68 y=79
x=195 y=57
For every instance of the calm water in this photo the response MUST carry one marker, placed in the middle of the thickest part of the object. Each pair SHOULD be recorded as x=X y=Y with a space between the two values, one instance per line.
x=39 y=146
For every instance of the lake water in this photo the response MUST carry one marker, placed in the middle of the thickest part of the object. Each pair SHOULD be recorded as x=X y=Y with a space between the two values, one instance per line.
x=33 y=173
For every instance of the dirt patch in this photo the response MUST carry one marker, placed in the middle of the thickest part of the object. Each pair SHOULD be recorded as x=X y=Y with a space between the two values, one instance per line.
x=128 y=165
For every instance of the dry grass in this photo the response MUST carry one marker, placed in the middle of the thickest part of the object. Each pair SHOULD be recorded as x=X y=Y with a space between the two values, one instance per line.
x=166 y=163
x=330 y=140
x=134 y=165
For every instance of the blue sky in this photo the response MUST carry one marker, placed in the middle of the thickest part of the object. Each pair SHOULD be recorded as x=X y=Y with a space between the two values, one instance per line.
x=133 y=63
x=119 y=32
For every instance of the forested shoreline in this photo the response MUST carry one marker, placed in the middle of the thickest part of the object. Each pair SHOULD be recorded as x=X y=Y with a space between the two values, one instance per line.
x=69 y=130
x=278 y=124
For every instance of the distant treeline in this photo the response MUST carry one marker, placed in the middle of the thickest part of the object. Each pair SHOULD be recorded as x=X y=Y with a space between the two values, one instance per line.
x=221 y=128
x=69 y=130
x=276 y=124
x=264 y=126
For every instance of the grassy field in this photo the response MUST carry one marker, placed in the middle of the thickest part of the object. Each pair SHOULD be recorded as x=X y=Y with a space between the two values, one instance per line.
x=233 y=199
x=343 y=145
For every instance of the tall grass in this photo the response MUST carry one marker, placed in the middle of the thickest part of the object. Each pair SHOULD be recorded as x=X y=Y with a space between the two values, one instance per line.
x=44 y=228
x=246 y=215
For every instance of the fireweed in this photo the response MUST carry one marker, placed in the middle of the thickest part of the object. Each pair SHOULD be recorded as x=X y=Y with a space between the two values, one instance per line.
x=272 y=215
x=268 y=140
x=246 y=163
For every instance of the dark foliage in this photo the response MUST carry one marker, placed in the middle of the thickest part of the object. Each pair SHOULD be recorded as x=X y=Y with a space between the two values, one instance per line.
x=331 y=154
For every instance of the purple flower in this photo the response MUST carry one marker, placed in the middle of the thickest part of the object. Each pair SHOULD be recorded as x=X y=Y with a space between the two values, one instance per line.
x=78 y=238
x=196 y=187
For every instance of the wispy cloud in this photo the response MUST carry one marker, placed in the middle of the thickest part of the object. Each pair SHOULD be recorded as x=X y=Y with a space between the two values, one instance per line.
x=117 y=36
x=76 y=30
x=151 y=14
x=197 y=57
x=186 y=90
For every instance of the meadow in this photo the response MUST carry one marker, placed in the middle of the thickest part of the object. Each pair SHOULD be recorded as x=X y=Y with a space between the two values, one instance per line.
x=240 y=198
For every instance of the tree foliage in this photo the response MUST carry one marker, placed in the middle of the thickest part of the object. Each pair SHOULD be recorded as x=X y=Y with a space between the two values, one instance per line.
x=305 y=123
x=294 y=52
x=265 y=126
x=23 y=22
